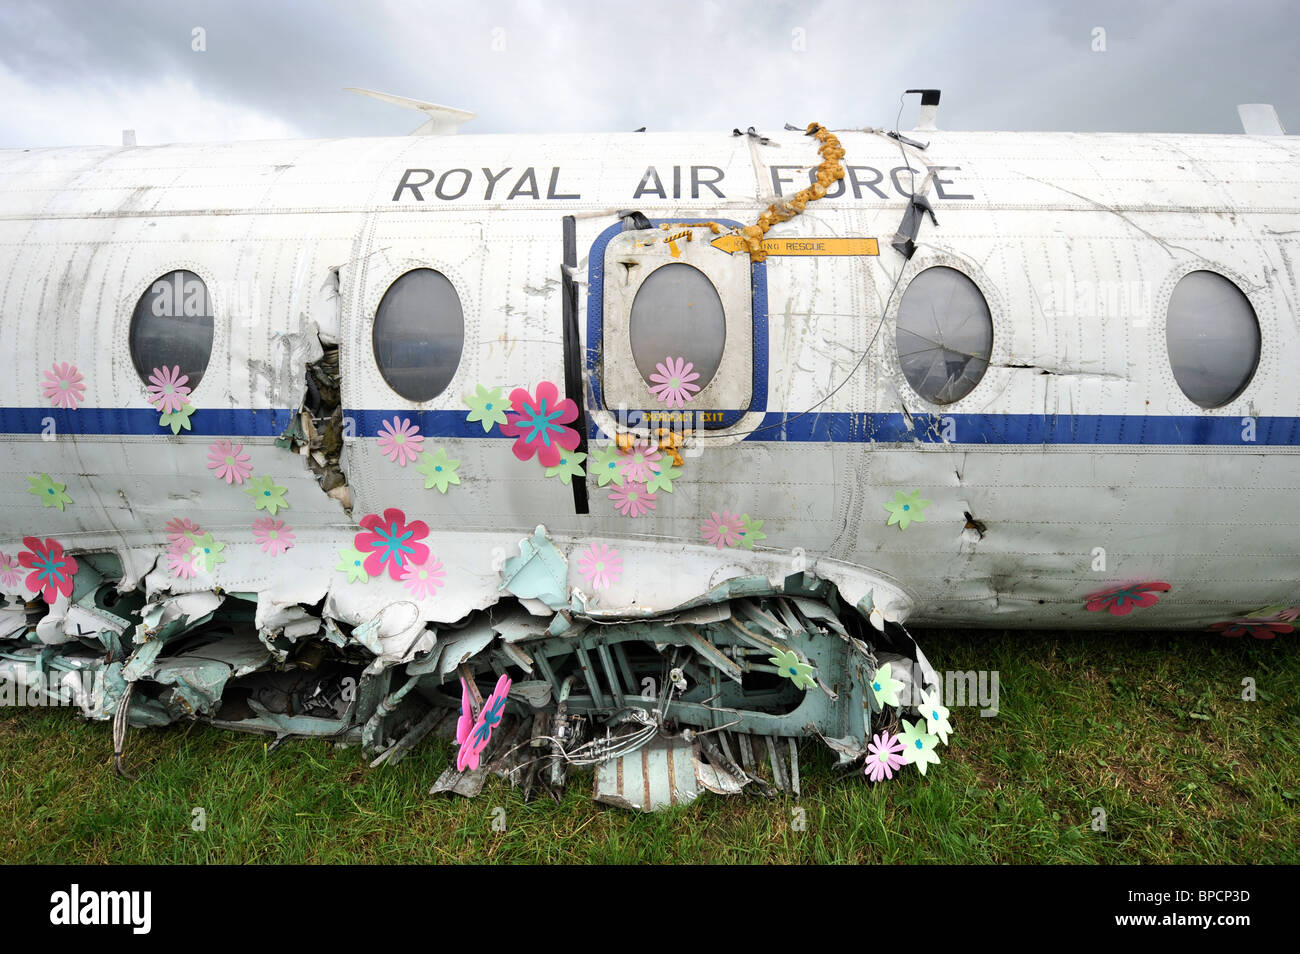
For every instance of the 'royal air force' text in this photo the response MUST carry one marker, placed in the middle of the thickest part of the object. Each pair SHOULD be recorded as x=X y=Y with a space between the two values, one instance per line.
x=675 y=182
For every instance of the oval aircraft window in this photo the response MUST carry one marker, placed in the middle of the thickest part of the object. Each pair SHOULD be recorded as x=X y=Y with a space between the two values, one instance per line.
x=172 y=327
x=945 y=335
x=1213 y=338
x=419 y=334
x=677 y=314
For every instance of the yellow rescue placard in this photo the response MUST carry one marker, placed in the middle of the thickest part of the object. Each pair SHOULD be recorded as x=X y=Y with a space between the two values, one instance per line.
x=803 y=246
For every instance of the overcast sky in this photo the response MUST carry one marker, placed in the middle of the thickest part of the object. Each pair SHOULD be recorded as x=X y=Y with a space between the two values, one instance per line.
x=81 y=72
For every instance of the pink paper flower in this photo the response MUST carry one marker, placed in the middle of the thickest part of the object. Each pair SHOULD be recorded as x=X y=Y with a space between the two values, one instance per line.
x=425 y=578
x=10 y=572
x=1259 y=628
x=537 y=424
x=1121 y=600
x=493 y=707
x=673 y=377
x=632 y=499
x=600 y=565
x=52 y=569
x=180 y=563
x=167 y=390
x=466 y=721
x=724 y=531
x=62 y=386
x=391 y=542
x=637 y=463
x=400 y=441
x=884 y=755
x=177 y=530
x=272 y=535
x=229 y=461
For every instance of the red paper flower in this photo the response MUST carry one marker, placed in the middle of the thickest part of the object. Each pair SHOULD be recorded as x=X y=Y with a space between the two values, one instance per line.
x=537 y=424
x=1259 y=628
x=391 y=542
x=1121 y=600
x=52 y=569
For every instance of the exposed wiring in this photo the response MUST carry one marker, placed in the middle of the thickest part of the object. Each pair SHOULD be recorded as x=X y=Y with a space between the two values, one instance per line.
x=121 y=720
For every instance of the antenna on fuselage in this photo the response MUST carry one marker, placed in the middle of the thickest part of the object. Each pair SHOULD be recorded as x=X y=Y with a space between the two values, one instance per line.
x=929 y=108
x=443 y=120
x=1260 y=119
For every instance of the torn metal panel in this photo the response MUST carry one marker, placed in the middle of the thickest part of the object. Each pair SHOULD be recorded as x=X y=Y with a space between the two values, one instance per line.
x=718 y=780
x=536 y=694
x=13 y=620
x=459 y=647
x=394 y=636
x=847 y=750
x=660 y=775
x=518 y=624
x=291 y=621
x=539 y=572
x=199 y=674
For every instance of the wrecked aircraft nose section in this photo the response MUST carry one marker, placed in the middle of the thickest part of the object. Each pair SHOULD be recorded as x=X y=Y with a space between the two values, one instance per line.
x=712 y=695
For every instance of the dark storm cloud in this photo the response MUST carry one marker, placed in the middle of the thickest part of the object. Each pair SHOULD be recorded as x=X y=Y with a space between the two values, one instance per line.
x=536 y=66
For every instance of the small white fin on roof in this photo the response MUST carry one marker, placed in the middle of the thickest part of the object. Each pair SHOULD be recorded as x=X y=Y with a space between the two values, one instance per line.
x=443 y=120
x=1260 y=119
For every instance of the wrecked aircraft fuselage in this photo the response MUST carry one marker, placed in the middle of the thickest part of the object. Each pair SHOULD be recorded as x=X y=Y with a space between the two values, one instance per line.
x=631 y=452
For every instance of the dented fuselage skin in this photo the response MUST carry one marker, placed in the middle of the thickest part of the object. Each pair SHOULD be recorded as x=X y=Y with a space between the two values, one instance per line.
x=1081 y=460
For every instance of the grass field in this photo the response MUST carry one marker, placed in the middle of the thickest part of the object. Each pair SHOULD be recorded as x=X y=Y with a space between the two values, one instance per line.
x=1150 y=728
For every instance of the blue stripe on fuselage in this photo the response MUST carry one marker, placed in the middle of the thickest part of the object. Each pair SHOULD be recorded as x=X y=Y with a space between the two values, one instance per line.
x=119 y=421
x=850 y=427
x=840 y=427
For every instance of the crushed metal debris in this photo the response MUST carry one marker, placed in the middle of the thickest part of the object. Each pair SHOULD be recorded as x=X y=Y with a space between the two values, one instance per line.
x=661 y=707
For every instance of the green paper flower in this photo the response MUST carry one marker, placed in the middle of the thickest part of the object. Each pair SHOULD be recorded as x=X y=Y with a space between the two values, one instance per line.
x=487 y=407
x=885 y=687
x=49 y=490
x=663 y=480
x=353 y=562
x=936 y=716
x=439 y=470
x=788 y=665
x=751 y=532
x=604 y=466
x=177 y=419
x=266 y=494
x=570 y=466
x=207 y=552
x=1266 y=612
x=905 y=508
x=918 y=746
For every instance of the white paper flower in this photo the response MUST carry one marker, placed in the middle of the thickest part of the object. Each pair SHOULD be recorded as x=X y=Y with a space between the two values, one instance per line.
x=936 y=716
